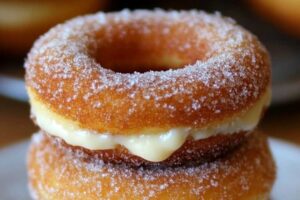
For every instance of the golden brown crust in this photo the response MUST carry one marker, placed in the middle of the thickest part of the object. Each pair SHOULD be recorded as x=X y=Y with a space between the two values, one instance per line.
x=219 y=70
x=56 y=172
x=190 y=153
x=284 y=14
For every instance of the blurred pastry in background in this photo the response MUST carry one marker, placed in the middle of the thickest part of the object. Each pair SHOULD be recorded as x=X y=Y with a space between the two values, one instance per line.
x=283 y=14
x=21 y=22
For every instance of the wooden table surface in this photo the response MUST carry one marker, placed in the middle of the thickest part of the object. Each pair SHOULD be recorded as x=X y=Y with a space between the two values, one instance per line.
x=280 y=121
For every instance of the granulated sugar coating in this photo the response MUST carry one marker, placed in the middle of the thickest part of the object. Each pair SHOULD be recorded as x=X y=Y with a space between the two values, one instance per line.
x=60 y=172
x=132 y=71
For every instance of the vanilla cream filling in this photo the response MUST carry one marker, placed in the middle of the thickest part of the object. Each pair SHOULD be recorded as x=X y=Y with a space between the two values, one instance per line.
x=152 y=147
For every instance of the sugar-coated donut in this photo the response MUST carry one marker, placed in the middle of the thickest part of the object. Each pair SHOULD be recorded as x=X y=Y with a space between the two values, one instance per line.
x=56 y=171
x=22 y=21
x=284 y=14
x=134 y=72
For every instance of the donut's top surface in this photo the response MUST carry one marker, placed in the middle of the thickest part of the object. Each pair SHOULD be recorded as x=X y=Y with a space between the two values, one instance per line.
x=131 y=71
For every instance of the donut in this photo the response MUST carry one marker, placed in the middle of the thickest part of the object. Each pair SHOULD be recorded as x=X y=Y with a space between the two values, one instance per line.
x=283 y=14
x=21 y=22
x=148 y=82
x=56 y=171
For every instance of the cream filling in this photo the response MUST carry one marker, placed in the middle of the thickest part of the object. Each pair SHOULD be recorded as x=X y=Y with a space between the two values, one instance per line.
x=152 y=147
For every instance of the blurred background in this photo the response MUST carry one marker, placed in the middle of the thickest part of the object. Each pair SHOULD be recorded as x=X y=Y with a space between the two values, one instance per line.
x=275 y=22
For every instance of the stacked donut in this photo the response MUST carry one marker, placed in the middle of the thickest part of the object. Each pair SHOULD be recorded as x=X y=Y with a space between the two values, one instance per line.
x=149 y=105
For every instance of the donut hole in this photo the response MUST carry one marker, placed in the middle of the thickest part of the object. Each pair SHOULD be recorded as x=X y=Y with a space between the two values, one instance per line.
x=131 y=48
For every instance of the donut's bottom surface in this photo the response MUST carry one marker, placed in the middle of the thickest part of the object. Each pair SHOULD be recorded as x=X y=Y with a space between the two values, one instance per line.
x=192 y=152
x=58 y=172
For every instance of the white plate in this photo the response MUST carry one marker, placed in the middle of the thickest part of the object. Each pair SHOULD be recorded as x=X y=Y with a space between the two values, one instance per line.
x=13 y=183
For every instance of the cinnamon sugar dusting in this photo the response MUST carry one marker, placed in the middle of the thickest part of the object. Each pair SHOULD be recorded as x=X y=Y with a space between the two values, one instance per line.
x=216 y=69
